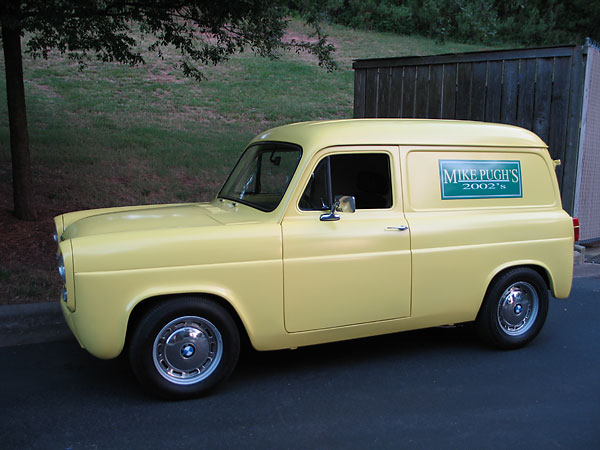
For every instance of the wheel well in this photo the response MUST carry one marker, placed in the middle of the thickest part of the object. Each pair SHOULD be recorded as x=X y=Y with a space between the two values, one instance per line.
x=142 y=307
x=538 y=269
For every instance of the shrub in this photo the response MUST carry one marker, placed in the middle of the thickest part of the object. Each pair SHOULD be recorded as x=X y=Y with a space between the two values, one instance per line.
x=525 y=22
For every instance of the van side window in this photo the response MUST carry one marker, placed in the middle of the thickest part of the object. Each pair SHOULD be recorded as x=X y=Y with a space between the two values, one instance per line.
x=366 y=176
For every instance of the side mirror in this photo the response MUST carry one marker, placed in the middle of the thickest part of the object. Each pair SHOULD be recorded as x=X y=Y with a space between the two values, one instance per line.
x=344 y=203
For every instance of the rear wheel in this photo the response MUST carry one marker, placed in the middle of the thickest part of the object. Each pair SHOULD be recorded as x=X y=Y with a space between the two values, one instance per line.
x=514 y=309
x=184 y=347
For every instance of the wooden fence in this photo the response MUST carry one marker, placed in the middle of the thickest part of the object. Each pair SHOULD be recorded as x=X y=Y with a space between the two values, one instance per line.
x=538 y=89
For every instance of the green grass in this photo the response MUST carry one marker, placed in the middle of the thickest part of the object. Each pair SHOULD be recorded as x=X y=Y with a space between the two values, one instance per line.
x=116 y=135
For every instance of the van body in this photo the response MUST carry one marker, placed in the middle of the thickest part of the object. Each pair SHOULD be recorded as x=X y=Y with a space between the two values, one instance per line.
x=324 y=231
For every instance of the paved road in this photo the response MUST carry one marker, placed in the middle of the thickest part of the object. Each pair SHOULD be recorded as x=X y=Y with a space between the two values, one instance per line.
x=429 y=389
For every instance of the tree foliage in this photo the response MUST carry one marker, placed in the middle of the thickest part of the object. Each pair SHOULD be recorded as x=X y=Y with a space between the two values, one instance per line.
x=203 y=31
x=522 y=22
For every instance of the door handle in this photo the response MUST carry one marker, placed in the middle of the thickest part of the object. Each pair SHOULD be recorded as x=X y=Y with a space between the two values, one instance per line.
x=400 y=228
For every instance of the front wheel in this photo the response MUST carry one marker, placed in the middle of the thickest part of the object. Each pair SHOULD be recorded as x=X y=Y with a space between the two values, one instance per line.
x=514 y=309
x=184 y=347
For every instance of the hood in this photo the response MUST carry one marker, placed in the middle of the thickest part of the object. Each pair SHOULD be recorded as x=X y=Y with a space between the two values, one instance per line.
x=135 y=219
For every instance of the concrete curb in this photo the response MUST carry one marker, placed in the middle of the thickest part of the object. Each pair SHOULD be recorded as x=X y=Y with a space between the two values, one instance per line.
x=32 y=324
x=44 y=322
x=586 y=270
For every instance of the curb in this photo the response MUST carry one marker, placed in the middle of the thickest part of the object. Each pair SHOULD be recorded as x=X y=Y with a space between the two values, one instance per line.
x=32 y=324
x=44 y=322
x=586 y=270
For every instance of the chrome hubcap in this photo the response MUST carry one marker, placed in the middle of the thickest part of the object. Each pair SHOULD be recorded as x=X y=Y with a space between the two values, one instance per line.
x=187 y=350
x=518 y=308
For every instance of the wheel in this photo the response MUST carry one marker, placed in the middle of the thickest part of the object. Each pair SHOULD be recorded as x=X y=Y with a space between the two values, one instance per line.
x=184 y=347
x=514 y=309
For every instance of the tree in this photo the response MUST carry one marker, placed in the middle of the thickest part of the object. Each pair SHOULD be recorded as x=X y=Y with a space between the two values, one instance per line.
x=203 y=31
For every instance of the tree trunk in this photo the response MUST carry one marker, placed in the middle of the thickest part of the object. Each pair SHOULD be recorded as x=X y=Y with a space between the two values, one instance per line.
x=17 y=117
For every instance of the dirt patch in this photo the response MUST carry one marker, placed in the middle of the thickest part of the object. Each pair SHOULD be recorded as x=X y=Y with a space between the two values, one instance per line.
x=28 y=266
x=28 y=269
x=45 y=90
x=303 y=55
x=162 y=72
x=202 y=114
x=298 y=37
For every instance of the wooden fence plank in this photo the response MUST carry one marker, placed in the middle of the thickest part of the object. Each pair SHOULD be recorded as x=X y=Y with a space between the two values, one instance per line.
x=436 y=78
x=395 y=107
x=494 y=92
x=449 y=92
x=559 y=109
x=543 y=95
x=569 y=179
x=422 y=92
x=408 y=91
x=360 y=84
x=371 y=93
x=478 y=91
x=383 y=93
x=463 y=90
x=526 y=93
x=508 y=110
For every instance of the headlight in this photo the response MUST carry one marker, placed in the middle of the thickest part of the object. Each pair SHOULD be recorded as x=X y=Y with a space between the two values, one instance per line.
x=64 y=259
x=55 y=235
x=61 y=267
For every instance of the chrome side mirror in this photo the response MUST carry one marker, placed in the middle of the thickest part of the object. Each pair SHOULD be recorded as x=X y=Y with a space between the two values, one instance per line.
x=344 y=203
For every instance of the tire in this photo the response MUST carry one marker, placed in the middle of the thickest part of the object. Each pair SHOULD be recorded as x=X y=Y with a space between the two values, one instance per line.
x=184 y=347
x=514 y=309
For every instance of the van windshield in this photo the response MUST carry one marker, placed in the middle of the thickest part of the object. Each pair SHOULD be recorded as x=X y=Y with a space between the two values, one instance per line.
x=262 y=175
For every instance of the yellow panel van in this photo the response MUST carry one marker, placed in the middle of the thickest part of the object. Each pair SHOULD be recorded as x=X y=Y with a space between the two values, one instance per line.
x=324 y=231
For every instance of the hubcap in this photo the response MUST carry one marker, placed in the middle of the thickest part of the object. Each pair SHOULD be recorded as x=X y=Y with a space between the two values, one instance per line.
x=518 y=308
x=187 y=350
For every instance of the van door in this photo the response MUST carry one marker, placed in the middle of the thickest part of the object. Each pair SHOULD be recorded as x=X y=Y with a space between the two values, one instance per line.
x=347 y=268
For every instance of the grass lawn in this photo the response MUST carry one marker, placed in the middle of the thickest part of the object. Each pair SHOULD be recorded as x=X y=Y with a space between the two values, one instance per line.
x=116 y=135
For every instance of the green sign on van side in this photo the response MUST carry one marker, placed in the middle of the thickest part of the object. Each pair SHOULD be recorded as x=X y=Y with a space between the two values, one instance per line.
x=463 y=179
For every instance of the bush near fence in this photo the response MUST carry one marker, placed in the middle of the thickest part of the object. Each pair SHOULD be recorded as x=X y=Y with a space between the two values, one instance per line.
x=525 y=22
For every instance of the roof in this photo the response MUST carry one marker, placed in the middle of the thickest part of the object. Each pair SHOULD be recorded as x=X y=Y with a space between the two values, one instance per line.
x=313 y=136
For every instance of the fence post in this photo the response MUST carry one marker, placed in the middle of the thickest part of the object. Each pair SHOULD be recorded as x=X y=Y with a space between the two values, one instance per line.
x=569 y=178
